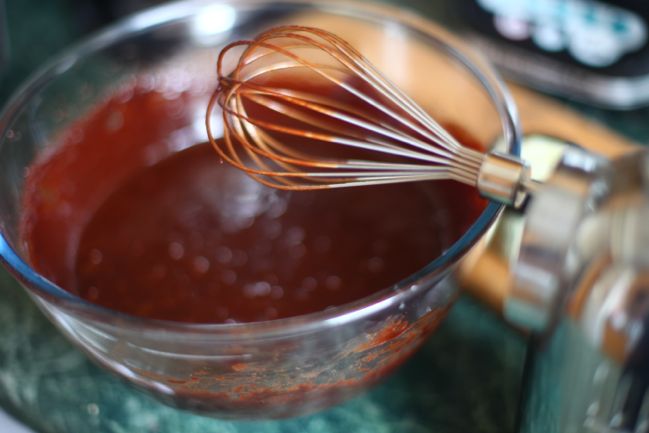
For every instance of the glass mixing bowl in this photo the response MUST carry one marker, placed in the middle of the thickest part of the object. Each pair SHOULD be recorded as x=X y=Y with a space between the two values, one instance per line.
x=276 y=368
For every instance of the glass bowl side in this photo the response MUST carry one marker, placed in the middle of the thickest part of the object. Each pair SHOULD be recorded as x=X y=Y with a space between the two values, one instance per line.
x=267 y=369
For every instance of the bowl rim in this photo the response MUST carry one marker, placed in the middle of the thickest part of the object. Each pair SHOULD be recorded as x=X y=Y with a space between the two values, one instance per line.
x=384 y=298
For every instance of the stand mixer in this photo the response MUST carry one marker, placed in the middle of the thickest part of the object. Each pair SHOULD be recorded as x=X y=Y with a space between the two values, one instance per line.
x=574 y=277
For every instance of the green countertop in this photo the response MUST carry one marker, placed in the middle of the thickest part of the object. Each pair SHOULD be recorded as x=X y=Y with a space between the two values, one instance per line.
x=465 y=379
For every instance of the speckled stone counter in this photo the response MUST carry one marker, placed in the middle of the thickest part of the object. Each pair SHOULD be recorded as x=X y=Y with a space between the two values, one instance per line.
x=465 y=379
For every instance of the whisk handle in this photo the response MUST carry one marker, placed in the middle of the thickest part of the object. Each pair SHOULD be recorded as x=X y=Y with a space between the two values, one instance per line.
x=504 y=178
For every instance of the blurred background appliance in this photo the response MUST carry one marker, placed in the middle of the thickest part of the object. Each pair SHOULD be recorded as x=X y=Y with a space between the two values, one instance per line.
x=592 y=50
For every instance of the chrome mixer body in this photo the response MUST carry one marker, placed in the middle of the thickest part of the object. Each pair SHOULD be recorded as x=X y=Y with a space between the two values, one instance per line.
x=579 y=286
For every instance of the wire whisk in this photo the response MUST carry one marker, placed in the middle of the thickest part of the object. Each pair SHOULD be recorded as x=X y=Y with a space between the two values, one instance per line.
x=302 y=109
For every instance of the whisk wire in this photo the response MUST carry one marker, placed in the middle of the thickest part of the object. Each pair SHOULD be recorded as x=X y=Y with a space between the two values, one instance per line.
x=370 y=76
x=398 y=141
x=360 y=141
